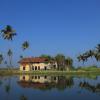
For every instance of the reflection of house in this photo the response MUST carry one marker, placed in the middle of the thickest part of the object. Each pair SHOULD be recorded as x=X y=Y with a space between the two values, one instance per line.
x=38 y=82
x=45 y=82
x=37 y=63
x=39 y=79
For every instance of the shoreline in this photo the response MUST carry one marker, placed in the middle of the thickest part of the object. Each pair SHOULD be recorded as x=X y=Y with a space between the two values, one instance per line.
x=50 y=72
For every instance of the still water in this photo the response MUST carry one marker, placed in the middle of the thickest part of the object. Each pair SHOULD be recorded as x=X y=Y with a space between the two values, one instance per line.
x=35 y=87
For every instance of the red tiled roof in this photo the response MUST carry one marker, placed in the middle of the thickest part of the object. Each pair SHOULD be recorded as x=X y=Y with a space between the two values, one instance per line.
x=33 y=60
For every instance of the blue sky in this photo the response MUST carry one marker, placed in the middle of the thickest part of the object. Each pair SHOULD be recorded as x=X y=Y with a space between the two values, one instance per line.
x=51 y=26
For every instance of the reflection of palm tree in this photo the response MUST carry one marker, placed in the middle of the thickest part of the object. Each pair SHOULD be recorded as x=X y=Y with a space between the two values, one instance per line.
x=10 y=53
x=93 y=88
x=69 y=82
x=0 y=82
x=22 y=97
x=64 y=82
x=25 y=45
x=7 y=88
x=8 y=85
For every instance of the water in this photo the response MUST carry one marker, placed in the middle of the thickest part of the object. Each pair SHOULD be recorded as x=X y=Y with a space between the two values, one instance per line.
x=35 y=87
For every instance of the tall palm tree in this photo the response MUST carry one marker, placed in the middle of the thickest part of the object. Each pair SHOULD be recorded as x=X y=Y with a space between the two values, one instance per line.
x=25 y=45
x=1 y=58
x=82 y=58
x=90 y=53
x=68 y=63
x=98 y=48
x=97 y=56
x=8 y=33
x=60 y=59
x=21 y=57
x=10 y=53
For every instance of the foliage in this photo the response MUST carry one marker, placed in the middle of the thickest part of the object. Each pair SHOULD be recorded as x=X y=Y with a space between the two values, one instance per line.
x=25 y=45
x=60 y=58
x=8 y=33
x=1 y=58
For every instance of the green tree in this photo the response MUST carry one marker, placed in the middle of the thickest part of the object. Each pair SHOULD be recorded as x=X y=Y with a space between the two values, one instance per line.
x=97 y=56
x=1 y=58
x=8 y=33
x=10 y=54
x=25 y=45
x=60 y=58
x=46 y=56
x=97 y=53
x=82 y=58
x=68 y=63
x=98 y=47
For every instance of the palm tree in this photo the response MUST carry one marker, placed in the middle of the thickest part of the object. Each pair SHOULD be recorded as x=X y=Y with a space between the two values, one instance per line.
x=97 y=56
x=82 y=58
x=60 y=59
x=21 y=57
x=68 y=63
x=8 y=33
x=10 y=53
x=98 y=48
x=89 y=53
x=1 y=58
x=25 y=45
x=47 y=57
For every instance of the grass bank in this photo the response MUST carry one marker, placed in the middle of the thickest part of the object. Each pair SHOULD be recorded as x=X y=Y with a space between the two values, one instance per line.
x=85 y=71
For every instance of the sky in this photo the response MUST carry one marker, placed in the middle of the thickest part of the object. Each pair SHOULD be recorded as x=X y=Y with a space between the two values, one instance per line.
x=69 y=27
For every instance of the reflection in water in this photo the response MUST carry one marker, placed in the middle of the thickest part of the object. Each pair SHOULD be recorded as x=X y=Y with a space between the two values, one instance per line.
x=23 y=97
x=86 y=85
x=8 y=85
x=25 y=87
x=46 y=82
x=7 y=88
x=0 y=82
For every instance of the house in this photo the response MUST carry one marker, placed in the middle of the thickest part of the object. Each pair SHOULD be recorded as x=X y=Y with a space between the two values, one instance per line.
x=37 y=63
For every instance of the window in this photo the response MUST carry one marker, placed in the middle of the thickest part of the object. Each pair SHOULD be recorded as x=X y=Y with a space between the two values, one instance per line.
x=35 y=67
x=24 y=68
x=55 y=78
x=45 y=67
x=35 y=77
x=38 y=77
x=23 y=77
x=38 y=67
x=32 y=67
x=32 y=77
x=54 y=66
x=45 y=77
